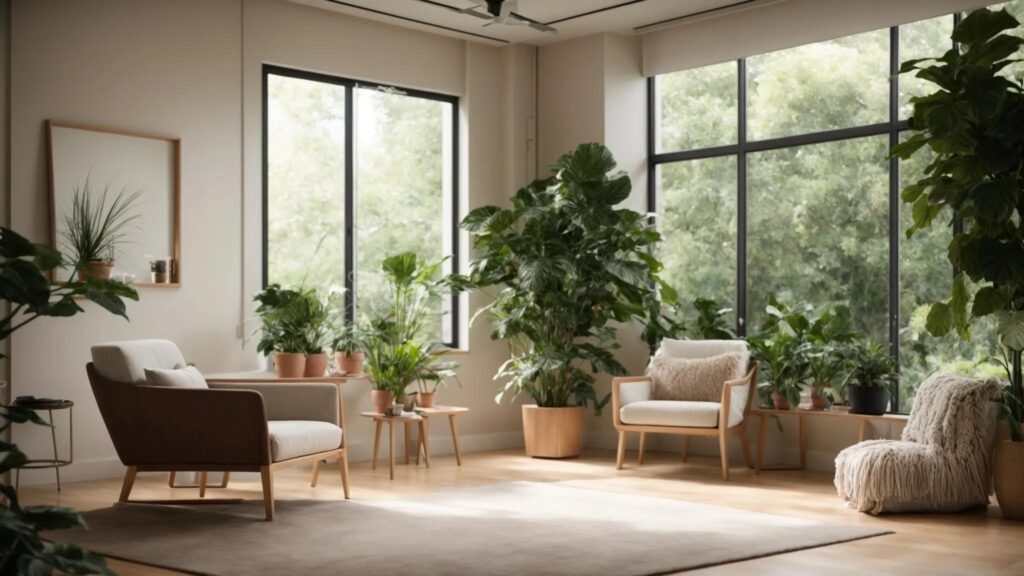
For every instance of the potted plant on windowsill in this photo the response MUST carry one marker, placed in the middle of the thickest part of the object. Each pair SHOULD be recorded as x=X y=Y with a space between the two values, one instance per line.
x=93 y=230
x=783 y=359
x=316 y=318
x=285 y=328
x=434 y=377
x=567 y=264
x=348 y=349
x=872 y=378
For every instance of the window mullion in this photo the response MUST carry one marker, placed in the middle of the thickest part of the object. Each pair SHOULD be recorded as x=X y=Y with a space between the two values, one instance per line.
x=350 y=206
x=741 y=200
x=894 y=207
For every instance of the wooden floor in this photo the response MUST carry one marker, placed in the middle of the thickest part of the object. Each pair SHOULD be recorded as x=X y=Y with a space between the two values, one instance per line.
x=975 y=543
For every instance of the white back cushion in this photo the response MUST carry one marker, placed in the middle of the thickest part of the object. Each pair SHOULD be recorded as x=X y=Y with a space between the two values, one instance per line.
x=127 y=361
x=706 y=348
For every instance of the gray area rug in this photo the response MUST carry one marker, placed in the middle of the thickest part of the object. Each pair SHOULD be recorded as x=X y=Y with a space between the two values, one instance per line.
x=515 y=529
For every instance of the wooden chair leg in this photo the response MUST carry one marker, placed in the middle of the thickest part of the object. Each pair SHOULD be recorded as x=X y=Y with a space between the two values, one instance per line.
x=343 y=465
x=202 y=484
x=686 y=447
x=316 y=474
x=376 y=443
x=640 y=452
x=723 y=446
x=268 y=491
x=622 y=450
x=129 y=480
x=170 y=479
x=224 y=480
x=747 y=459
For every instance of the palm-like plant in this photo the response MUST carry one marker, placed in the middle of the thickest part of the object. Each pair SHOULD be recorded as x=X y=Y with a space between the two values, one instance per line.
x=96 y=226
x=567 y=263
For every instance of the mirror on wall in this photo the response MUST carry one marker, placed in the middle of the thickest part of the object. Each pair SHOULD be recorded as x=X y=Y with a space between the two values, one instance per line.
x=115 y=203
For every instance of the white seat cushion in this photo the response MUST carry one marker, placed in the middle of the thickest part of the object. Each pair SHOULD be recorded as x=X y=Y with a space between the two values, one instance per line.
x=671 y=413
x=127 y=361
x=293 y=438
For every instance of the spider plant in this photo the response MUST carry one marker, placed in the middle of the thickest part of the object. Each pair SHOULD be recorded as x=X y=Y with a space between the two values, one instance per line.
x=97 y=225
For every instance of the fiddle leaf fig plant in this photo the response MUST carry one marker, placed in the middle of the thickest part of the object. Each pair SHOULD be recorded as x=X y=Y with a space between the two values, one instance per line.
x=972 y=125
x=568 y=264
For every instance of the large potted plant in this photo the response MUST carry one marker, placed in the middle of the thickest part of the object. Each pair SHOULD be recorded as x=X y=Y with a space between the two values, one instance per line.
x=94 y=229
x=27 y=290
x=285 y=316
x=399 y=344
x=872 y=378
x=568 y=264
x=972 y=126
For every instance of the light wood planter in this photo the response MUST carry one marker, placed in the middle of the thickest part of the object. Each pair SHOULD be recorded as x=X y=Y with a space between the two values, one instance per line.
x=1008 y=472
x=553 y=432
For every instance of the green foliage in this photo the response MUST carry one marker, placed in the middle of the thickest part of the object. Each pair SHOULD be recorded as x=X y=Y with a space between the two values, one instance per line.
x=872 y=366
x=971 y=125
x=347 y=338
x=292 y=320
x=797 y=349
x=707 y=321
x=568 y=264
x=399 y=344
x=25 y=286
x=93 y=230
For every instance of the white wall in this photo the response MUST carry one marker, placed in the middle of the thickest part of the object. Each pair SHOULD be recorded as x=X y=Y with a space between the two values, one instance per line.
x=191 y=68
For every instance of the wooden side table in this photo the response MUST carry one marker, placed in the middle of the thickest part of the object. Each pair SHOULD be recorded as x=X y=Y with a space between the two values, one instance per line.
x=380 y=420
x=56 y=462
x=451 y=412
x=802 y=414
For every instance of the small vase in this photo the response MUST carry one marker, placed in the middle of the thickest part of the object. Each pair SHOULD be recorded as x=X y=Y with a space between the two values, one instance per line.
x=316 y=365
x=290 y=364
x=426 y=399
x=818 y=400
x=780 y=402
x=381 y=400
x=349 y=363
x=95 y=269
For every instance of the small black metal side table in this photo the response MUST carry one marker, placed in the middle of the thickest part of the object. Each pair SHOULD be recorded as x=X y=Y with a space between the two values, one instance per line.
x=56 y=462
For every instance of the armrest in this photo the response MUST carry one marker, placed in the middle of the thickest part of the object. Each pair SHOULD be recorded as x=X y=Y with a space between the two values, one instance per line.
x=617 y=395
x=736 y=399
x=292 y=401
x=153 y=425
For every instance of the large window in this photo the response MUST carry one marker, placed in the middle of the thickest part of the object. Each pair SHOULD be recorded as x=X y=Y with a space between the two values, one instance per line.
x=353 y=173
x=770 y=176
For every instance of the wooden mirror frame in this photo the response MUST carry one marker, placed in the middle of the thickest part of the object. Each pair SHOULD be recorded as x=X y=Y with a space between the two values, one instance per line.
x=176 y=191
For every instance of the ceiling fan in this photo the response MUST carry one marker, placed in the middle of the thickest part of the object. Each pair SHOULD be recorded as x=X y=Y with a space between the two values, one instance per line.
x=501 y=12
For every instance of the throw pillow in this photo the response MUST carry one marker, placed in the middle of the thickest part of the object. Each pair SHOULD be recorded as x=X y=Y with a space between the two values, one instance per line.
x=186 y=377
x=693 y=379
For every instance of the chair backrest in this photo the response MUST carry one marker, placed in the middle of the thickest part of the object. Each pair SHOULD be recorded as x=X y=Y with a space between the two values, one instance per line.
x=705 y=349
x=127 y=361
x=952 y=413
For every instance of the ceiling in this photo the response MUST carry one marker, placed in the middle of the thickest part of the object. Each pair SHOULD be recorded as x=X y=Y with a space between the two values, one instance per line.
x=572 y=18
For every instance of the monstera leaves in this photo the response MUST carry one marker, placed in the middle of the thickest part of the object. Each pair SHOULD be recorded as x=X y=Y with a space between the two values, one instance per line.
x=972 y=124
x=568 y=263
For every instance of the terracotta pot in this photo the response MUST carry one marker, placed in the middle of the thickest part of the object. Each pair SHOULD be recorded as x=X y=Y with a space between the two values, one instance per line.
x=349 y=363
x=553 y=432
x=316 y=365
x=818 y=400
x=97 y=269
x=381 y=400
x=425 y=399
x=290 y=364
x=780 y=402
x=1008 y=472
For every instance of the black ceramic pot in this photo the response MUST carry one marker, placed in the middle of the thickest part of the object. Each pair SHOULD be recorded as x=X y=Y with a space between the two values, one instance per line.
x=868 y=399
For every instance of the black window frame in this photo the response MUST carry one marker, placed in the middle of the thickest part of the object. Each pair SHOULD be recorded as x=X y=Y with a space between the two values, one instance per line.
x=351 y=296
x=892 y=127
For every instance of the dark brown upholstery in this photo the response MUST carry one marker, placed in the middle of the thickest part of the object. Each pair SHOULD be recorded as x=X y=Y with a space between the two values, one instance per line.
x=183 y=428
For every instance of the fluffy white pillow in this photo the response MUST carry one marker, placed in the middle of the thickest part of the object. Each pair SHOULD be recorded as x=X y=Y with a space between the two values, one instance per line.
x=186 y=377
x=693 y=349
x=692 y=379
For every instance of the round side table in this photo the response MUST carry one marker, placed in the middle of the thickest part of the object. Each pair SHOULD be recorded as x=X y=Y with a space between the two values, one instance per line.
x=56 y=462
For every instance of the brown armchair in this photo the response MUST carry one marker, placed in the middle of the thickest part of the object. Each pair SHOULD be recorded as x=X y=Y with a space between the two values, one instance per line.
x=258 y=427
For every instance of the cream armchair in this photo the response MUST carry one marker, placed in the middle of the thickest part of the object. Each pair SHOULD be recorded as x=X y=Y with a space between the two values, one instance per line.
x=633 y=410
